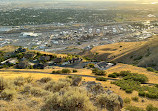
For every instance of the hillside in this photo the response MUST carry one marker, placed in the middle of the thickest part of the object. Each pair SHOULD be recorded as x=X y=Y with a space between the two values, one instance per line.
x=37 y=74
x=134 y=85
x=142 y=53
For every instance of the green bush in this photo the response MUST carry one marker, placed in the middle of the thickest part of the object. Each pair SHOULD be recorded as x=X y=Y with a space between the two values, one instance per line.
x=135 y=98
x=128 y=90
x=128 y=85
x=74 y=70
x=100 y=73
x=142 y=93
x=137 y=77
x=95 y=70
x=91 y=65
x=66 y=71
x=101 y=79
x=133 y=108
x=112 y=76
x=57 y=72
x=150 y=92
x=156 y=85
x=150 y=69
x=127 y=100
x=125 y=73
x=150 y=107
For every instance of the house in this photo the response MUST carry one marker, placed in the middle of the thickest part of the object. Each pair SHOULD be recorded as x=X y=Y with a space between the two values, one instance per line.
x=103 y=65
x=29 y=34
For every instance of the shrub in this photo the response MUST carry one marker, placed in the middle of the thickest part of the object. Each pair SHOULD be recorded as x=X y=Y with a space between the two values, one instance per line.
x=150 y=92
x=125 y=73
x=95 y=70
x=127 y=100
x=133 y=108
x=3 y=84
x=45 y=79
x=101 y=79
x=112 y=76
x=135 y=98
x=29 y=79
x=128 y=85
x=106 y=100
x=150 y=69
x=74 y=70
x=100 y=73
x=156 y=85
x=66 y=71
x=137 y=77
x=56 y=86
x=57 y=72
x=19 y=81
x=38 y=92
x=8 y=94
x=91 y=65
x=150 y=107
x=72 y=100
x=128 y=90
x=142 y=93
x=27 y=89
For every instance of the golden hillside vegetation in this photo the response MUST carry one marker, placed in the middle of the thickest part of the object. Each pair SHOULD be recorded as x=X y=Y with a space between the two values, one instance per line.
x=142 y=53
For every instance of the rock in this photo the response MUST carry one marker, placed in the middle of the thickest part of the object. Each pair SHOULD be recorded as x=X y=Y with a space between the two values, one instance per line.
x=76 y=81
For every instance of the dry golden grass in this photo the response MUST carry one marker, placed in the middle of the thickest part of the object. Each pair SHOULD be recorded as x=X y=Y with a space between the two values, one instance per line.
x=117 y=50
x=124 y=67
x=119 y=67
x=49 y=53
x=8 y=48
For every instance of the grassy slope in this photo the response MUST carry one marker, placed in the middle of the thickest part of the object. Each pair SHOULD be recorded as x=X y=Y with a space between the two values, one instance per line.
x=140 y=53
x=8 y=48
x=108 y=51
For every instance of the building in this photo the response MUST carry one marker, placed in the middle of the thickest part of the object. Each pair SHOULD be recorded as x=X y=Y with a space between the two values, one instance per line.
x=103 y=65
x=29 y=34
